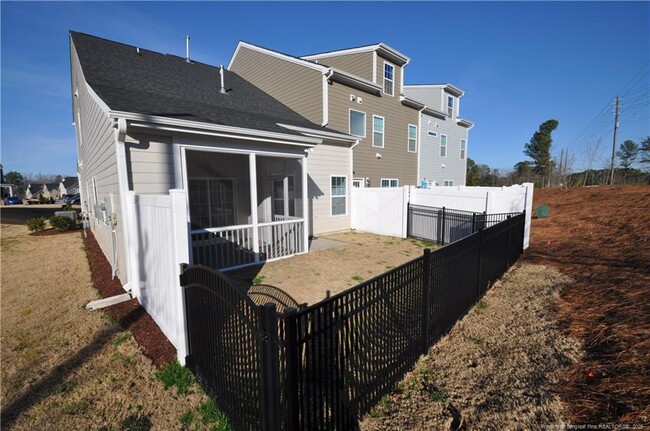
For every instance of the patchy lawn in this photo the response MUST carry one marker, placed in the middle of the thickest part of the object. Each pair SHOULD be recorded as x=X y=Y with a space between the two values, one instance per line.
x=494 y=370
x=308 y=277
x=67 y=368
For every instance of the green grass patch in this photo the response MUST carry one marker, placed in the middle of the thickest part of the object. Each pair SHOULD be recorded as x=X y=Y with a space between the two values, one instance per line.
x=25 y=312
x=211 y=415
x=259 y=279
x=121 y=340
x=480 y=305
x=186 y=418
x=357 y=278
x=176 y=375
x=438 y=396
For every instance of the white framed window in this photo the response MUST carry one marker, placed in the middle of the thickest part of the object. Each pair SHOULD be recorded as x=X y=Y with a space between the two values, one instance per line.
x=389 y=78
x=443 y=145
x=278 y=193
x=377 y=131
x=212 y=202
x=412 y=139
x=450 y=106
x=339 y=195
x=463 y=148
x=359 y=183
x=389 y=182
x=448 y=183
x=357 y=123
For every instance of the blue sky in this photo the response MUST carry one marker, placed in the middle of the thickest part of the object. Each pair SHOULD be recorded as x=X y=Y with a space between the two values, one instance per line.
x=520 y=63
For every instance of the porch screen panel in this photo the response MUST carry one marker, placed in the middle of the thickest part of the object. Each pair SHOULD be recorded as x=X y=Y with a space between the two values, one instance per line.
x=199 y=203
x=222 y=203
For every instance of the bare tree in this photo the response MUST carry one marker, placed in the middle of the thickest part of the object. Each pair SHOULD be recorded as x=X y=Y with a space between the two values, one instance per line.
x=591 y=151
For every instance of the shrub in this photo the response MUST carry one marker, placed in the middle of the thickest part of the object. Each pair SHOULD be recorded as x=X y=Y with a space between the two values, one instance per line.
x=61 y=223
x=67 y=208
x=41 y=199
x=36 y=224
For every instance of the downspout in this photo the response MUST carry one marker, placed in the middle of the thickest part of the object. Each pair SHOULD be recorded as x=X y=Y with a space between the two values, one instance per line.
x=326 y=77
x=127 y=219
x=419 y=140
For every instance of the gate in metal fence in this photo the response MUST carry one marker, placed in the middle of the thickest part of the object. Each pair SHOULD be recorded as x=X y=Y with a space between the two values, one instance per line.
x=233 y=349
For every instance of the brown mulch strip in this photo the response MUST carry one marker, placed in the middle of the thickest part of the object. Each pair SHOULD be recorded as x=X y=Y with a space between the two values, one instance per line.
x=50 y=232
x=129 y=314
x=600 y=237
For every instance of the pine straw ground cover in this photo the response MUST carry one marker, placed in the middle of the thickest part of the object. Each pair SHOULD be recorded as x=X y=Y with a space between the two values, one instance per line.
x=494 y=370
x=66 y=368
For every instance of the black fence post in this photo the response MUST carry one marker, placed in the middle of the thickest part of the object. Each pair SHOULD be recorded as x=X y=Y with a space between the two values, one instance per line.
x=444 y=218
x=473 y=222
x=408 y=219
x=269 y=369
x=508 y=246
x=426 y=299
x=479 y=287
x=292 y=353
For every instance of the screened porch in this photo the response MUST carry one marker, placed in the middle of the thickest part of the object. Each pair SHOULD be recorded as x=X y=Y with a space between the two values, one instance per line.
x=245 y=208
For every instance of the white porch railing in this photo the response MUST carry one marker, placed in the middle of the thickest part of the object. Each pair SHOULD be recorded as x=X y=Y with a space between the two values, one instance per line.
x=234 y=246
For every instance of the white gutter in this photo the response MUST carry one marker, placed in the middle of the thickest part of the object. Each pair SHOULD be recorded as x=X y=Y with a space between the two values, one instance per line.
x=320 y=133
x=326 y=113
x=209 y=127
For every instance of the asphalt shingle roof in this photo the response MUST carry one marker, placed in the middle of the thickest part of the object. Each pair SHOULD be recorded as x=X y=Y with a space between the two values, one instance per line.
x=166 y=85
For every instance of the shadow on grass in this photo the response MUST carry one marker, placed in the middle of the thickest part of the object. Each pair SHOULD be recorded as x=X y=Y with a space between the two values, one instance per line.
x=48 y=384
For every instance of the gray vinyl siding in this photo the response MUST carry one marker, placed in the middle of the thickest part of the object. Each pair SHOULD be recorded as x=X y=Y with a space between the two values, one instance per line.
x=151 y=163
x=323 y=162
x=396 y=161
x=359 y=64
x=96 y=152
x=298 y=87
x=430 y=160
x=430 y=96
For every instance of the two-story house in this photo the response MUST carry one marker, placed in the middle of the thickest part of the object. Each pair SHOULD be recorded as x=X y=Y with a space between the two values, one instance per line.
x=357 y=91
x=443 y=134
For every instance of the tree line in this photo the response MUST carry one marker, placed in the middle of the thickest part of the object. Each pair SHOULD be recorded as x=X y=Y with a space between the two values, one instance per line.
x=547 y=171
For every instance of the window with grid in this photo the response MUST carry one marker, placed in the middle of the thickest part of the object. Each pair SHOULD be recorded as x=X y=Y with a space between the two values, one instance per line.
x=413 y=134
x=389 y=78
x=377 y=131
x=389 y=182
x=463 y=148
x=450 y=106
x=448 y=183
x=443 y=145
x=339 y=195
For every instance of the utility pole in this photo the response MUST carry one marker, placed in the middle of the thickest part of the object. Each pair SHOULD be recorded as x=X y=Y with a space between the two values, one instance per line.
x=611 y=178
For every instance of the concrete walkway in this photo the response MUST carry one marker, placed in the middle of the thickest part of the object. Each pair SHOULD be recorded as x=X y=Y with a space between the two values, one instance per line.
x=317 y=244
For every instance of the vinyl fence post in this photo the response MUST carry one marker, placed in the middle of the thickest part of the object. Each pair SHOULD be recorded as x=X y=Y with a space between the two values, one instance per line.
x=269 y=370
x=444 y=219
x=292 y=355
x=426 y=299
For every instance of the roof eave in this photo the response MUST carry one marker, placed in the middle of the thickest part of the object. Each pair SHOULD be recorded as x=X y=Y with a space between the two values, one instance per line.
x=355 y=81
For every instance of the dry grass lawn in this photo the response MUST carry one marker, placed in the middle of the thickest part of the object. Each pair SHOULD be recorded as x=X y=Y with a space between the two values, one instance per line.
x=64 y=367
x=309 y=276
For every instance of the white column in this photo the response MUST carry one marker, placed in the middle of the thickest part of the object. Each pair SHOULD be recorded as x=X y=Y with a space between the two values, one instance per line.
x=181 y=233
x=252 y=175
x=305 y=204
x=285 y=194
x=528 y=206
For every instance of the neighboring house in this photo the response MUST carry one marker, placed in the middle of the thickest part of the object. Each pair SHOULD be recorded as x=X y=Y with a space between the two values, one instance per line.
x=443 y=134
x=356 y=91
x=252 y=168
x=68 y=186
x=33 y=191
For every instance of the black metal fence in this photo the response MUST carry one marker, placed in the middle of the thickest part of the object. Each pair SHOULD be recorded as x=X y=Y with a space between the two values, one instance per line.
x=444 y=225
x=323 y=367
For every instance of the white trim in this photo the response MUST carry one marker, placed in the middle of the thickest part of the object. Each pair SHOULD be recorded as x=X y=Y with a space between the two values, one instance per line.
x=350 y=123
x=383 y=131
x=374 y=67
x=346 y=196
x=453 y=106
x=213 y=149
x=326 y=115
x=383 y=82
x=408 y=138
x=304 y=178
x=360 y=49
x=207 y=126
x=446 y=145
x=252 y=177
x=389 y=181
x=275 y=54
x=103 y=106
x=319 y=133
x=178 y=165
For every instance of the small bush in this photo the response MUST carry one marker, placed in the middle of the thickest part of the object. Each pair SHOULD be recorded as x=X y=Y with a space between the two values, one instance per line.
x=67 y=207
x=41 y=199
x=36 y=224
x=50 y=201
x=174 y=374
x=61 y=223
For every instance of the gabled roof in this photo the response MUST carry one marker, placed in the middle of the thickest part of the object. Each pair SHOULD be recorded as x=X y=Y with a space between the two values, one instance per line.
x=449 y=88
x=135 y=80
x=382 y=49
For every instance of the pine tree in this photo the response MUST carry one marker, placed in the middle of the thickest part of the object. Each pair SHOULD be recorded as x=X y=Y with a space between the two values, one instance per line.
x=539 y=149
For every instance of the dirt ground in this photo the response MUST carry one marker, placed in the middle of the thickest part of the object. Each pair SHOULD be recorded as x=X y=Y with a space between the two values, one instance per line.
x=64 y=367
x=600 y=237
x=494 y=370
x=308 y=277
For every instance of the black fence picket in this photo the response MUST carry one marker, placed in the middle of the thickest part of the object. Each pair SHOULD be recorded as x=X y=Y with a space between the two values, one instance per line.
x=324 y=366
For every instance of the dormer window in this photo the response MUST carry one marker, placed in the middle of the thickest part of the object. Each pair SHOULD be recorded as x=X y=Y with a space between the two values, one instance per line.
x=389 y=78
x=450 y=106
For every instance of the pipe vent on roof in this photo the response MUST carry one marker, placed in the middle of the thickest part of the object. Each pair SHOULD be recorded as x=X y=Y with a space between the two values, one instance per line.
x=223 y=86
x=187 y=48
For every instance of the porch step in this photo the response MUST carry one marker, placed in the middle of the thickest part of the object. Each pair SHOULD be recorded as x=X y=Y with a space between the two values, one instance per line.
x=107 y=302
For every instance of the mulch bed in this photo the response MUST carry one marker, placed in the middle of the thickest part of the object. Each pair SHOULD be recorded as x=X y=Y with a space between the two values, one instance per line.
x=50 y=232
x=600 y=238
x=129 y=314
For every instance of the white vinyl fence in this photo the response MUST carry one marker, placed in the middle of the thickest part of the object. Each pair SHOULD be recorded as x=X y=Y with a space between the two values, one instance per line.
x=384 y=211
x=159 y=244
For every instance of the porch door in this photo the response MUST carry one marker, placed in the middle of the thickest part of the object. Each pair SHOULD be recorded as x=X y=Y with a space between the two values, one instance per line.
x=284 y=201
x=212 y=202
